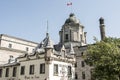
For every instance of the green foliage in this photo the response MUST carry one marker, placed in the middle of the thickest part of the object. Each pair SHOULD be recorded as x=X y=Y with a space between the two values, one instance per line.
x=104 y=56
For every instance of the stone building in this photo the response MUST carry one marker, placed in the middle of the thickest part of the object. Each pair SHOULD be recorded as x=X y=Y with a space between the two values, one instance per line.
x=13 y=46
x=72 y=32
x=45 y=61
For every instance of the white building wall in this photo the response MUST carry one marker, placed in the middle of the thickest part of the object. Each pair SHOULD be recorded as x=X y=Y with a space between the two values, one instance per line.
x=5 y=55
x=18 y=47
x=18 y=44
x=62 y=70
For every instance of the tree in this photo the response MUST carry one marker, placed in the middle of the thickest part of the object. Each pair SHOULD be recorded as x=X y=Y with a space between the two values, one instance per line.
x=104 y=56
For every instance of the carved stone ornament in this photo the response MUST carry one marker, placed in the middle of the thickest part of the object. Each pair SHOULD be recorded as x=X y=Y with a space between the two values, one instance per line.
x=27 y=57
x=37 y=56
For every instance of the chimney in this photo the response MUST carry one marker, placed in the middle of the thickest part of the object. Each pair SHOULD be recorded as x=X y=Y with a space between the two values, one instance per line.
x=102 y=28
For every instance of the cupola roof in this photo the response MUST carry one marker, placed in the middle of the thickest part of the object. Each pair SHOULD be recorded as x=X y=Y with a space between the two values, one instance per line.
x=72 y=19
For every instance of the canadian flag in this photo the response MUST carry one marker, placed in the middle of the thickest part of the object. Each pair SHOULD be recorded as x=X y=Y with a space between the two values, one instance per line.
x=69 y=4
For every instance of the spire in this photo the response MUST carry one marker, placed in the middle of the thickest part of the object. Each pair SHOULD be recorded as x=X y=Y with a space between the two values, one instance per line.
x=71 y=49
x=49 y=43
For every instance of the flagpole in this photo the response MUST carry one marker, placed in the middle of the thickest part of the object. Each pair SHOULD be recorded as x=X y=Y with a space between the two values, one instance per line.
x=47 y=26
x=69 y=4
x=72 y=8
x=47 y=29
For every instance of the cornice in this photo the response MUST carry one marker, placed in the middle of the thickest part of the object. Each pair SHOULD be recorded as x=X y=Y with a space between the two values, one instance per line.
x=11 y=49
x=17 y=42
x=17 y=38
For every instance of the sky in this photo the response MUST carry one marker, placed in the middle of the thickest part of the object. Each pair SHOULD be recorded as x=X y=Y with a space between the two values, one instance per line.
x=27 y=19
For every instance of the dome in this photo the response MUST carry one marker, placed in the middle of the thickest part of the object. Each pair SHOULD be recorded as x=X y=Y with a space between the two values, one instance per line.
x=72 y=19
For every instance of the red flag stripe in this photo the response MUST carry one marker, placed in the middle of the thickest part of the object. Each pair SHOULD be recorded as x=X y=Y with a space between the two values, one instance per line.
x=70 y=3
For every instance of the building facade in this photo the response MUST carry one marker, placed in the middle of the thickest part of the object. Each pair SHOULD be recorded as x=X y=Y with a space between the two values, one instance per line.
x=63 y=61
x=13 y=46
x=72 y=32
x=44 y=63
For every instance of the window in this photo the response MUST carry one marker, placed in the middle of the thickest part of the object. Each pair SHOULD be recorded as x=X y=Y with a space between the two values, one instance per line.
x=55 y=69
x=69 y=70
x=22 y=70
x=7 y=72
x=33 y=50
x=76 y=64
x=10 y=45
x=76 y=76
x=82 y=63
x=81 y=53
x=66 y=37
x=42 y=68
x=14 y=71
x=31 y=69
x=0 y=72
x=27 y=49
x=83 y=75
x=81 y=37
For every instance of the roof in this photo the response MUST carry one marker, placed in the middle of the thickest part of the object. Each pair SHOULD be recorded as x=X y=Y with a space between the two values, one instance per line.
x=17 y=38
x=72 y=19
